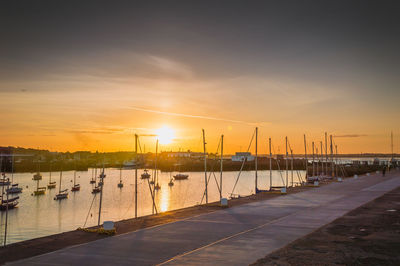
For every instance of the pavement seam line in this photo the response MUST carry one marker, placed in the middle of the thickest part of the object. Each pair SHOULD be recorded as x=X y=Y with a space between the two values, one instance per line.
x=252 y=229
x=229 y=237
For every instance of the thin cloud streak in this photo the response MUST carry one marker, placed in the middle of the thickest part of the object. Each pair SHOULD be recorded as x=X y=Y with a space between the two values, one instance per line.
x=351 y=136
x=194 y=116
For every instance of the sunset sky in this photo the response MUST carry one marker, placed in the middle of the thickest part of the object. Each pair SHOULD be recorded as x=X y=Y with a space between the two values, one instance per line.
x=87 y=75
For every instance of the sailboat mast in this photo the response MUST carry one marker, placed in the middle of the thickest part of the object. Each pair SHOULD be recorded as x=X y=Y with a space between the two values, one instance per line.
x=155 y=165
x=391 y=144
x=326 y=154
x=291 y=163
x=74 y=177
x=59 y=189
x=222 y=159
x=336 y=159
x=313 y=158
x=287 y=169
x=2 y=195
x=205 y=165
x=317 y=159
x=332 y=163
x=6 y=222
x=12 y=167
x=136 y=168
x=256 y=177
x=101 y=193
x=95 y=173
x=270 y=165
x=120 y=173
x=305 y=154
x=322 y=159
x=50 y=173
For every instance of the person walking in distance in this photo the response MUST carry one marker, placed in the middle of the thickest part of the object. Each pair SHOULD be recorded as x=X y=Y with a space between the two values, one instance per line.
x=384 y=170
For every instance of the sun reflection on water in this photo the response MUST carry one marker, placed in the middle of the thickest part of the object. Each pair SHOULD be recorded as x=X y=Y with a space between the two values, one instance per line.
x=164 y=199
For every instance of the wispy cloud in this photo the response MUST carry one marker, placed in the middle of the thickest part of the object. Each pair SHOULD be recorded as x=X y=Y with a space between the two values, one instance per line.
x=197 y=116
x=350 y=136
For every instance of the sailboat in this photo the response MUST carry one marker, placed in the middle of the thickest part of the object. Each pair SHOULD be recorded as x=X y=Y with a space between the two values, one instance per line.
x=14 y=189
x=76 y=186
x=39 y=190
x=51 y=184
x=93 y=180
x=120 y=184
x=97 y=188
x=37 y=176
x=180 y=176
x=4 y=181
x=7 y=203
x=157 y=185
x=145 y=175
x=62 y=194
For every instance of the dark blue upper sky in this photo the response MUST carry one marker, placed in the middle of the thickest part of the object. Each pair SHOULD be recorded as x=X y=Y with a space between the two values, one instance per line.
x=316 y=64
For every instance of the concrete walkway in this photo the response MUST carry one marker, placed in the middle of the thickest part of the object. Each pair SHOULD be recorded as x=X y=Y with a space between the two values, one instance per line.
x=234 y=236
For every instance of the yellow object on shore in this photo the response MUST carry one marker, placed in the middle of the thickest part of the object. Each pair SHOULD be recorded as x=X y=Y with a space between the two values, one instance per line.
x=100 y=231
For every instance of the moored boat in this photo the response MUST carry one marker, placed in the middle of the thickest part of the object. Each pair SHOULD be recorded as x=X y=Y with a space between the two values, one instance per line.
x=63 y=194
x=96 y=189
x=180 y=176
x=14 y=189
x=120 y=184
x=51 y=184
x=145 y=175
x=39 y=191
x=37 y=176
x=7 y=204
x=4 y=181
x=76 y=187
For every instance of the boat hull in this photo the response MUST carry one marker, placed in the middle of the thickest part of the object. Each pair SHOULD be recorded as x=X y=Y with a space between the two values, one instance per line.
x=9 y=205
x=96 y=190
x=14 y=190
x=5 y=183
x=51 y=186
x=181 y=177
x=39 y=192
x=61 y=196
x=145 y=176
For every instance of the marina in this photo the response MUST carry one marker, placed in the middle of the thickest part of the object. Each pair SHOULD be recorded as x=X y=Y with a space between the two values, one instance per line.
x=41 y=215
x=199 y=133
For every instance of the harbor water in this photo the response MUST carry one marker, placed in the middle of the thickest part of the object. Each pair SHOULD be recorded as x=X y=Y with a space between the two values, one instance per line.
x=38 y=216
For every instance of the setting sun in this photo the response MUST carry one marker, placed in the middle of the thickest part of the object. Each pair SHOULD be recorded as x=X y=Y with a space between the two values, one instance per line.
x=165 y=135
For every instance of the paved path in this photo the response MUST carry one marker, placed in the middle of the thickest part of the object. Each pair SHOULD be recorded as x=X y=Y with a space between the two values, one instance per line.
x=235 y=236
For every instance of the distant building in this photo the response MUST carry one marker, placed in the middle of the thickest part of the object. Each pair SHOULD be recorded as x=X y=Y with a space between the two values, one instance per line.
x=183 y=154
x=240 y=156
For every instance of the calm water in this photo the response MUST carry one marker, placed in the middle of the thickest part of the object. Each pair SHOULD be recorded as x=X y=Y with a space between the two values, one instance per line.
x=38 y=216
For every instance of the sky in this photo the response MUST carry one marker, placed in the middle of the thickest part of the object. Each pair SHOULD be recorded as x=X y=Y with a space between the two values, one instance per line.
x=88 y=75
